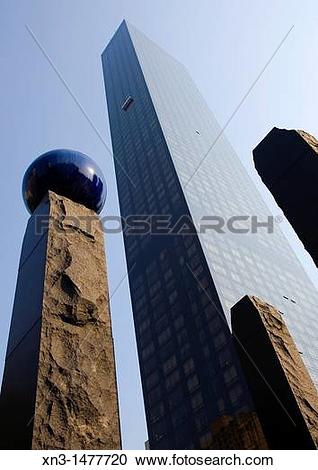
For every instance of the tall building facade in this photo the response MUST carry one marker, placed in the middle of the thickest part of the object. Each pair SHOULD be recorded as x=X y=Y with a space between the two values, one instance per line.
x=183 y=286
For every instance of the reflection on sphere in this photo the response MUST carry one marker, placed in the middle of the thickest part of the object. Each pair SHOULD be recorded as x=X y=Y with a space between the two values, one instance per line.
x=68 y=173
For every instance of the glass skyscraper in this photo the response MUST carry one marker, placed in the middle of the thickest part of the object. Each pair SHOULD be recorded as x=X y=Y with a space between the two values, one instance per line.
x=183 y=285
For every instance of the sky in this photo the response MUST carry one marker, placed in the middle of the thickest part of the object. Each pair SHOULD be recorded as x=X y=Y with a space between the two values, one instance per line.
x=254 y=62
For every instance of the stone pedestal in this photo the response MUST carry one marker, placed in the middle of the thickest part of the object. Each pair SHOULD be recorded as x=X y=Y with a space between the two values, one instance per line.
x=59 y=386
x=285 y=397
x=287 y=162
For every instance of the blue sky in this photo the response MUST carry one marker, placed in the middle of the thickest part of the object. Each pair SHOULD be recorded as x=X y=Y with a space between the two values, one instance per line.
x=224 y=44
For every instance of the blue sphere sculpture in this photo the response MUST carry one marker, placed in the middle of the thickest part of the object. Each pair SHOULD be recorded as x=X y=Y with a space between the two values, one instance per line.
x=68 y=173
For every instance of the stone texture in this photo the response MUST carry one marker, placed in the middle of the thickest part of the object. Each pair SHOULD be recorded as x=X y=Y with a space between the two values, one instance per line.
x=285 y=397
x=73 y=398
x=76 y=403
x=295 y=370
x=309 y=139
x=287 y=162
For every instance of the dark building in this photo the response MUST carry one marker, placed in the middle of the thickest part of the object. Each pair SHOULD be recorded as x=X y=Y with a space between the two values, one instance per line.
x=182 y=286
x=288 y=407
x=241 y=432
x=287 y=162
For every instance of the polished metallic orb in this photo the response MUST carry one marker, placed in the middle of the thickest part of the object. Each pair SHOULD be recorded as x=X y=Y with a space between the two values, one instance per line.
x=68 y=173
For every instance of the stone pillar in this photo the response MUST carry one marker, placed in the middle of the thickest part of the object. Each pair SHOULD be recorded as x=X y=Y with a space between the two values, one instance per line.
x=287 y=162
x=285 y=397
x=59 y=387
